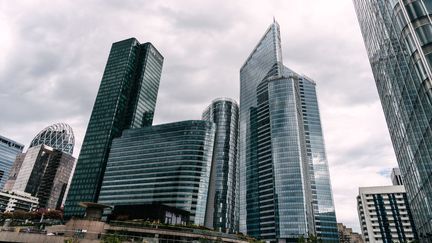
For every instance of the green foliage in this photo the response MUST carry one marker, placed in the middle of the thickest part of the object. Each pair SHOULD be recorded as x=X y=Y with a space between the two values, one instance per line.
x=112 y=238
x=71 y=240
x=310 y=239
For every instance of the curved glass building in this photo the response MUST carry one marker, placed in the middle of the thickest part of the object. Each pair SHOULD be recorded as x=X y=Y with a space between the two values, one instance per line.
x=284 y=178
x=398 y=38
x=222 y=204
x=166 y=164
x=9 y=150
x=58 y=136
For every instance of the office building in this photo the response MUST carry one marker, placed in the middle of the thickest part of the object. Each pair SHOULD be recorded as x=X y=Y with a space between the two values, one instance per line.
x=396 y=177
x=384 y=214
x=346 y=235
x=167 y=164
x=285 y=186
x=42 y=172
x=222 y=203
x=9 y=149
x=126 y=99
x=58 y=136
x=398 y=40
x=11 y=201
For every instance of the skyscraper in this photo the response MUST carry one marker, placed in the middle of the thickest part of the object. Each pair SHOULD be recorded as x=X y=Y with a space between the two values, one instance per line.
x=222 y=203
x=43 y=172
x=285 y=186
x=9 y=149
x=322 y=197
x=167 y=164
x=398 y=38
x=126 y=99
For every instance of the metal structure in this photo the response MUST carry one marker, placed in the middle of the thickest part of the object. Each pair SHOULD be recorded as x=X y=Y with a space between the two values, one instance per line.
x=58 y=136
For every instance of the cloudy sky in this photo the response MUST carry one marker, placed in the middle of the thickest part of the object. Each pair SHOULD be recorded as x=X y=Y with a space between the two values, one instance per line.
x=53 y=54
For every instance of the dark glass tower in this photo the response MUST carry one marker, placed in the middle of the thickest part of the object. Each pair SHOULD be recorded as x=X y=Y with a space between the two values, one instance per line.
x=285 y=185
x=222 y=204
x=126 y=99
x=166 y=164
x=398 y=39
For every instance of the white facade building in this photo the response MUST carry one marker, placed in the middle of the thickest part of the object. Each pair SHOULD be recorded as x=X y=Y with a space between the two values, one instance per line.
x=384 y=214
x=15 y=200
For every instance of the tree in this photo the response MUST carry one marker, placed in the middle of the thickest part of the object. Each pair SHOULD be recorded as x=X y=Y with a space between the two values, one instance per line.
x=310 y=239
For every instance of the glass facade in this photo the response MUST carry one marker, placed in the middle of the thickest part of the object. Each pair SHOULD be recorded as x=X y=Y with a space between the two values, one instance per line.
x=165 y=164
x=126 y=99
x=222 y=204
x=58 y=136
x=322 y=197
x=398 y=39
x=285 y=184
x=256 y=67
x=9 y=149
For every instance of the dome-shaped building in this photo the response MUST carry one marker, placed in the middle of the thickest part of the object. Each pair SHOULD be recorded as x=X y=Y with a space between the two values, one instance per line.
x=58 y=136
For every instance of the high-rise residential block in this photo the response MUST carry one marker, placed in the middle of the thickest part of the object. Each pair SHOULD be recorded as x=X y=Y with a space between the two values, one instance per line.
x=167 y=165
x=223 y=199
x=398 y=38
x=285 y=186
x=126 y=99
x=385 y=215
x=9 y=150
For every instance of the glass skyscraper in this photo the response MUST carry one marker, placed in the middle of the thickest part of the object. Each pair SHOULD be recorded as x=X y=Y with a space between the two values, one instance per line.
x=398 y=39
x=223 y=201
x=285 y=186
x=166 y=164
x=322 y=197
x=126 y=99
x=9 y=150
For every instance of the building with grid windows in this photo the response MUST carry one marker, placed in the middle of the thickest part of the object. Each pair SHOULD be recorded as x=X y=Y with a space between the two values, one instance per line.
x=9 y=150
x=43 y=172
x=167 y=164
x=126 y=99
x=398 y=38
x=285 y=186
x=11 y=201
x=385 y=215
x=58 y=136
x=222 y=203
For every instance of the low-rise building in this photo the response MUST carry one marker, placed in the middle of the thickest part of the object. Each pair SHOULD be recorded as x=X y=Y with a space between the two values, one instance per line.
x=346 y=235
x=11 y=201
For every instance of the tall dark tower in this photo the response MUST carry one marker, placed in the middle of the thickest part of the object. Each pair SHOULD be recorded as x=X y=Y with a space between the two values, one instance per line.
x=126 y=99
